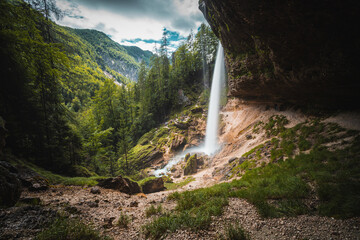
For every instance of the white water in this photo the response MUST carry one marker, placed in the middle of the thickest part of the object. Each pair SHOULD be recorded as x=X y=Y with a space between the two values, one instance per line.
x=211 y=138
x=212 y=125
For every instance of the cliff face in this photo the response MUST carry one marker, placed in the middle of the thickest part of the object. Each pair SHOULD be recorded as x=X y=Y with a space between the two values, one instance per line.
x=294 y=51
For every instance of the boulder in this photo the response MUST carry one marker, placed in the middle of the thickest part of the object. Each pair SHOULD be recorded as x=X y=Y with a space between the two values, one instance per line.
x=153 y=185
x=191 y=164
x=31 y=179
x=95 y=190
x=10 y=188
x=121 y=184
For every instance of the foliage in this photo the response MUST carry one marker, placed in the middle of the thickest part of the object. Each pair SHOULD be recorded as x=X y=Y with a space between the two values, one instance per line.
x=234 y=232
x=283 y=187
x=71 y=229
x=152 y=210
x=123 y=220
x=173 y=186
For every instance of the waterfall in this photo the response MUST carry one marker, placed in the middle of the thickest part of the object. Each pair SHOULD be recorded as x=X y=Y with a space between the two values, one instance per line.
x=211 y=138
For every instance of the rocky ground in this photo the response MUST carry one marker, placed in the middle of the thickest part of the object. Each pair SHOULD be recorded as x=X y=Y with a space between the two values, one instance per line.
x=105 y=208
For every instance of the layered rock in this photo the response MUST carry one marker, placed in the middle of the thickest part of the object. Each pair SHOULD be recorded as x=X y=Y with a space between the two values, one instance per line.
x=299 y=52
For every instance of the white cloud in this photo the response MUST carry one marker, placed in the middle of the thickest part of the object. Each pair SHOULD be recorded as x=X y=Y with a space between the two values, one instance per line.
x=122 y=27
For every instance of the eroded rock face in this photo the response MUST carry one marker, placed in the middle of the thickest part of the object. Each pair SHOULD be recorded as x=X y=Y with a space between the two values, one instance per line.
x=299 y=52
x=121 y=184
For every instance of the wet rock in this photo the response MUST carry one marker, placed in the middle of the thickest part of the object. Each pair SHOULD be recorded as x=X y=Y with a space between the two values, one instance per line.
x=121 y=184
x=10 y=187
x=153 y=185
x=95 y=190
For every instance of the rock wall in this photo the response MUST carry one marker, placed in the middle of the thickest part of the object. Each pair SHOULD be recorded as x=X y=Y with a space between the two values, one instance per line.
x=294 y=51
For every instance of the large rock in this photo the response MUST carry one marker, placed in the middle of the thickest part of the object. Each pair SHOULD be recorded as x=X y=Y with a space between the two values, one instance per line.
x=31 y=179
x=153 y=185
x=121 y=184
x=191 y=164
x=10 y=186
x=294 y=51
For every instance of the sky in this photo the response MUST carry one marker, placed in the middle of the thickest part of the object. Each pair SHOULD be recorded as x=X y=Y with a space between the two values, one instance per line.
x=134 y=22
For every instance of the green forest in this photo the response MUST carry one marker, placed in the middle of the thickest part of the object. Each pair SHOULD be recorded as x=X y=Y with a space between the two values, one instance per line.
x=59 y=99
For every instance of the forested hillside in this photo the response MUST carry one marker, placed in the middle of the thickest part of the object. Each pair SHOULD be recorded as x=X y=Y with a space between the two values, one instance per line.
x=58 y=96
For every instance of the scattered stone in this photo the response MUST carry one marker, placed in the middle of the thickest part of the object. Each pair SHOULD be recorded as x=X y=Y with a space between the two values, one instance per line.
x=95 y=190
x=153 y=185
x=93 y=204
x=108 y=222
x=134 y=204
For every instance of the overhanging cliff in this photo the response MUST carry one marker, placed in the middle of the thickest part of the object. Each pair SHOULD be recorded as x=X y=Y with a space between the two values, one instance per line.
x=293 y=51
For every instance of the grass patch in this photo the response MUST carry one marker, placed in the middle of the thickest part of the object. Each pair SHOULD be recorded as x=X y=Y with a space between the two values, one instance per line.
x=152 y=210
x=123 y=221
x=275 y=125
x=143 y=181
x=277 y=189
x=70 y=229
x=172 y=186
x=81 y=181
x=234 y=232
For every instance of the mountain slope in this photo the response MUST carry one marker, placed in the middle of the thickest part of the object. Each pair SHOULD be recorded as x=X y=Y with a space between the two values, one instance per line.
x=122 y=59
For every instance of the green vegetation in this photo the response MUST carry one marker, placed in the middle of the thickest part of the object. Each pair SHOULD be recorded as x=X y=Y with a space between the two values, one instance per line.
x=282 y=187
x=234 y=232
x=123 y=221
x=172 y=186
x=152 y=210
x=73 y=114
x=70 y=229
x=275 y=125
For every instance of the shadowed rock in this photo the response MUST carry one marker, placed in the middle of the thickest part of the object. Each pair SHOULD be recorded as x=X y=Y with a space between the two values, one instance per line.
x=121 y=184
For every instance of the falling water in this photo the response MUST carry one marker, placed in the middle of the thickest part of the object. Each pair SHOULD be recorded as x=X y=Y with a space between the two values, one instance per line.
x=211 y=138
